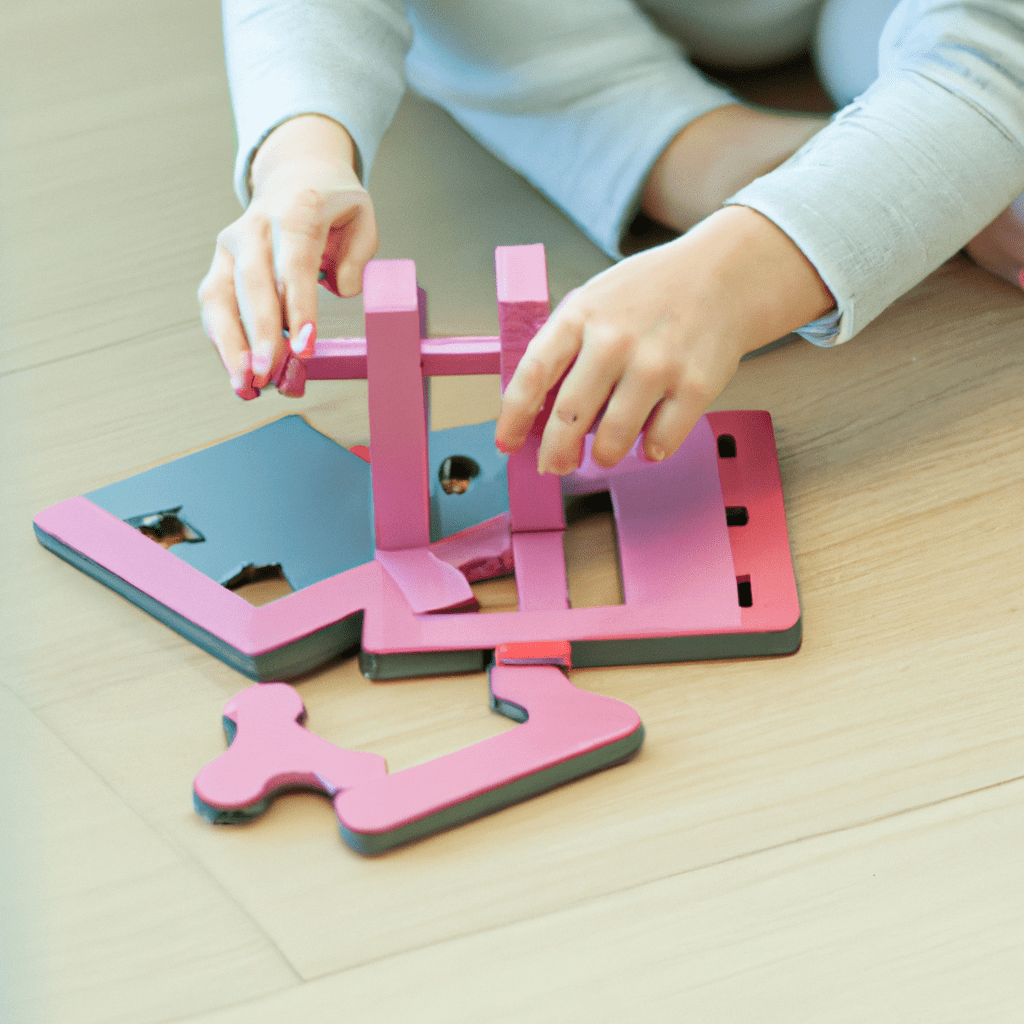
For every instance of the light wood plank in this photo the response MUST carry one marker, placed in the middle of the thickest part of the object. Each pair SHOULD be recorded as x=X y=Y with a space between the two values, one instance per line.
x=913 y=919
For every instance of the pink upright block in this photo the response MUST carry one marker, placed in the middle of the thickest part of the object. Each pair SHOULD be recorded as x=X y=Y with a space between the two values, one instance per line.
x=541 y=581
x=398 y=421
x=271 y=751
x=535 y=500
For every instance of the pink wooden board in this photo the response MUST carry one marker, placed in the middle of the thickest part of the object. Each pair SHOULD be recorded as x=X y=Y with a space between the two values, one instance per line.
x=683 y=583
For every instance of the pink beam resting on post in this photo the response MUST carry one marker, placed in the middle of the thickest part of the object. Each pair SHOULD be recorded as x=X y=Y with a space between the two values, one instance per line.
x=535 y=500
x=398 y=419
x=345 y=358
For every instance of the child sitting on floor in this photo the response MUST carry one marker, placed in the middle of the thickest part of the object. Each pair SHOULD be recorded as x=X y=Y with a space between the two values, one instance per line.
x=787 y=222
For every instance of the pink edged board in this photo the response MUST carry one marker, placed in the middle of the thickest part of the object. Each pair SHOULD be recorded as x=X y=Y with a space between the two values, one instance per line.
x=565 y=733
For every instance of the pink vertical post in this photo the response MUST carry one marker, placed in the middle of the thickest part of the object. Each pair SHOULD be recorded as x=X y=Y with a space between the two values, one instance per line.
x=535 y=500
x=398 y=419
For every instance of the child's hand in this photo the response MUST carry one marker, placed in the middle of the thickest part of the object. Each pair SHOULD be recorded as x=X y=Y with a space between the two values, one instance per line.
x=657 y=337
x=309 y=212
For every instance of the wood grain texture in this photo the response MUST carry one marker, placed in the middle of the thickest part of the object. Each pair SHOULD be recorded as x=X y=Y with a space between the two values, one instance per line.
x=830 y=836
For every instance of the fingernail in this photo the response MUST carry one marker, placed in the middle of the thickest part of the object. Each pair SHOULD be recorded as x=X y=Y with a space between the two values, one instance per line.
x=293 y=381
x=654 y=452
x=302 y=340
x=1021 y=279
x=241 y=379
x=501 y=448
x=262 y=358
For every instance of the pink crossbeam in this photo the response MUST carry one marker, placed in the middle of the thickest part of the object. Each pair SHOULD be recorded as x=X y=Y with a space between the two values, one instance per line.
x=345 y=358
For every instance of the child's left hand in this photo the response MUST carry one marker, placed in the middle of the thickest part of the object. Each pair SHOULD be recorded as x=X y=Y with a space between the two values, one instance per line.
x=657 y=337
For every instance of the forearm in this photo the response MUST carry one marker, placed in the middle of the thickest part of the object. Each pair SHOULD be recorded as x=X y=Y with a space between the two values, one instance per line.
x=718 y=154
x=339 y=58
x=751 y=279
x=915 y=167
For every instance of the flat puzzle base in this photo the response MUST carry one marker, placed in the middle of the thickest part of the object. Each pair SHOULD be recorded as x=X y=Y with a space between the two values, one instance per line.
x=306 y=629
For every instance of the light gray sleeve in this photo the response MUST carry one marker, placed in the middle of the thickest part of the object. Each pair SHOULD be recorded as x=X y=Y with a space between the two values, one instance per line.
x=340 y=58
x=579 y=96
x=915 y=167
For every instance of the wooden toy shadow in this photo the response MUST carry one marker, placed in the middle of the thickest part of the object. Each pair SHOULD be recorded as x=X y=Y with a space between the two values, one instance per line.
x=564 y=733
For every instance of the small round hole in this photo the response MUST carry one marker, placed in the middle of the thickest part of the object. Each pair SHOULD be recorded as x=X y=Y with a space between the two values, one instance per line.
x=457 y=472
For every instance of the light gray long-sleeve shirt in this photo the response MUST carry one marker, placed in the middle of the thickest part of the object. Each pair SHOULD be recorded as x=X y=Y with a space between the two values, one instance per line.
x=582 y=96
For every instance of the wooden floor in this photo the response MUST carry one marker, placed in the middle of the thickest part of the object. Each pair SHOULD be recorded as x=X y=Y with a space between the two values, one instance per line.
x=833 y=836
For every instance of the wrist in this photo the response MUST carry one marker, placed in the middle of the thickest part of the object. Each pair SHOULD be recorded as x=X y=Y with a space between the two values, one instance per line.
x=309 y=139
x=762 y=284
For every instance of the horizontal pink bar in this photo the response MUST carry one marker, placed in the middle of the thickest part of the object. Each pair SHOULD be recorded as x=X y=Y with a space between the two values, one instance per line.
x=345 y=358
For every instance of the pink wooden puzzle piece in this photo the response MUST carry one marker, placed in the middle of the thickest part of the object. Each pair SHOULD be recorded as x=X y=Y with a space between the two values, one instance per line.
x=398 y=428
x=566 y=732
x=270 y=751
x=398 y=424
x=535 y=499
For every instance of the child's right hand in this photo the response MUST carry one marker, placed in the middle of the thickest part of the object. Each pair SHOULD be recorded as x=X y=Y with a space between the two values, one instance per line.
x=309 y=213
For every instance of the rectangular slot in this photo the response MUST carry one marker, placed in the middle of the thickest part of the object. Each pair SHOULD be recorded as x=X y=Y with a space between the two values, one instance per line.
x=736 y=515
x=497 y=595
x=744 y=593
x=591 y=545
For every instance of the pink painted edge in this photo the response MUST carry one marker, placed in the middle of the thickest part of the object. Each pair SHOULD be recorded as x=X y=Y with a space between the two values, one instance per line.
x=142 y=563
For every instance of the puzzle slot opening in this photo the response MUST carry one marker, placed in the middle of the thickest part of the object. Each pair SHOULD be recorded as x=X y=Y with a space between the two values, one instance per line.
x=260 y=584
x=736 y=515
x=726 y=446
x=457 y=474
x=497 y=595
x=167 y=528
x=591 y=545
x=746 y=596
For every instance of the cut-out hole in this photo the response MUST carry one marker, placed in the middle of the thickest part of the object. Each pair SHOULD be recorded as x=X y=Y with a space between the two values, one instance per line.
x=497 y=595
x=726 y=446
x=260 y=584
x=746 y=596
x=591 y=546
x=457 y=472
x=167 y=528
x=736 y=515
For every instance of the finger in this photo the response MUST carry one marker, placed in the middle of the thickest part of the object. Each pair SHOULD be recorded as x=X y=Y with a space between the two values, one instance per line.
x=593 y=378
x=358 y=244
x=547 y=356
x=221 y=321
x=643 y=385
x=669 y=427
x=297 y=255
x=257 y=296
